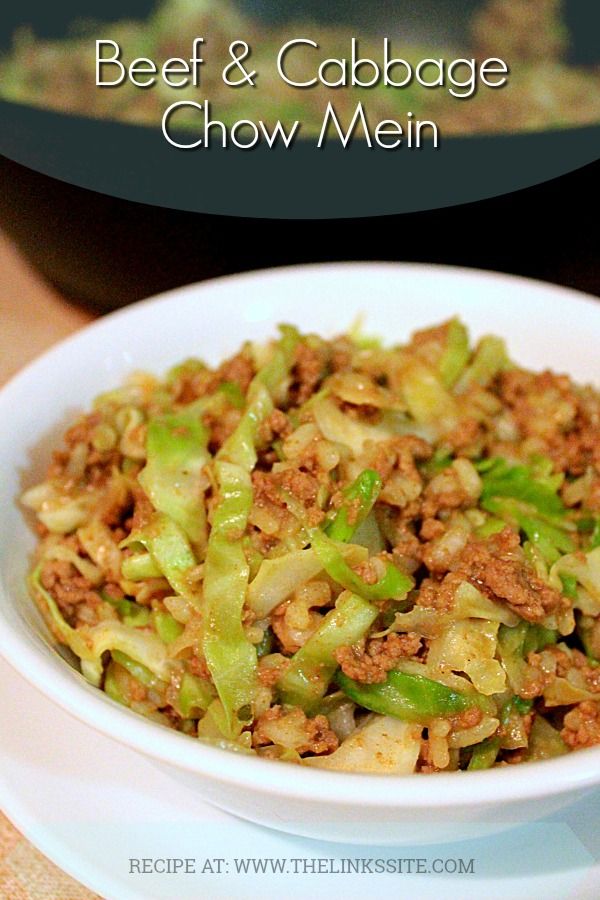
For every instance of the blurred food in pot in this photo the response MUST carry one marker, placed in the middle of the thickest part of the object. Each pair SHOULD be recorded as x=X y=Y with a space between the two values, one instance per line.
x=545 y=90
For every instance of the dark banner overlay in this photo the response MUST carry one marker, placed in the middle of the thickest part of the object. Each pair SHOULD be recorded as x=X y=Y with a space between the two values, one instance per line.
x=301 y=181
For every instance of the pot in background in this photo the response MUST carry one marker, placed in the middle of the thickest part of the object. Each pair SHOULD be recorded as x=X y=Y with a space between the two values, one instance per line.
x=106 y=252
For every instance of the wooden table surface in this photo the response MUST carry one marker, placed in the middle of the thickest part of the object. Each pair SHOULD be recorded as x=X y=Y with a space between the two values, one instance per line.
x=32 y=317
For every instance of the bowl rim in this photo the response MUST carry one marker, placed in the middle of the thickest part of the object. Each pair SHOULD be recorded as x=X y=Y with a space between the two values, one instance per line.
x=36 y=664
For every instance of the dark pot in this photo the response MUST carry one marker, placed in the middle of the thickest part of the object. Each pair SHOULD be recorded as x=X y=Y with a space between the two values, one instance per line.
x=107 y=252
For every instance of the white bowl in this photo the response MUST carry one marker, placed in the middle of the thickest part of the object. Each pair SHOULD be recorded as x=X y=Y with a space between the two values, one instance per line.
x=545 y=327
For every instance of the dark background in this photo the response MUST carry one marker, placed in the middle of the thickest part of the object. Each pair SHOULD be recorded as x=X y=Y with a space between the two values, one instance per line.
x=107 y=252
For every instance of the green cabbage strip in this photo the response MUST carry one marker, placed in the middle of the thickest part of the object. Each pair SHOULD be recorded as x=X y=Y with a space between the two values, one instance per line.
x=550 y=541
x=589 y=527
x=70 y=636
x=138 y=671
x=313 y=666
x=171 y=551
x=514 y=645
x=527 y=496
x=428 y=401
x=490 y=358
x=279 y=577
x=524 y=638
x=111 y=688
x=586 y=634
x=360 y=339
x=500 y=479
x=230 y=656
x=195 y=695
x=545 y=741
x=413 y=698
x=167 y=628
x=131 y=613
x=144 y=647
x=274 y=374
x=582 y=569
x=216 y=726
x=232 y=393
x=139 y=567
x=456 y=354
x=359 y=498
x=394 y=584
x=339 y=428
x=90 y=643
x=484 y=754
x=569 y=586
x=239 y=448
x=176 y=452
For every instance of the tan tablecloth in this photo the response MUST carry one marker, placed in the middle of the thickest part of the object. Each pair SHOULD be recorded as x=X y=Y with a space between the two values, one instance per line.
x=32 y=317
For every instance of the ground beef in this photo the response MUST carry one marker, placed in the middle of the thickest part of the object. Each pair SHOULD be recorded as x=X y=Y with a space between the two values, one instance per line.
x=142 y=509
x=439 y=595
x=407 y=549
x=535 y=680
x=113 y=591
x=431 y=528
x=565 y=661
x=73 y=593
x=269 y=675
x=220 y=425
x=266 y=489
x=269 y=488
x=497 y=568
x=468 y=718
x=435 y=335
x=369 y=663
x=563 y=420
x=446 y=491
x=81 y=432
x=239 y=369
x=276 y=425
x=99 y=465
x=593 y=498
x=362 y=412
x=307 y=371
x=200 y=381
x=400 y=454
x=464 y=436
x=367 y=571
x=115 y=505
x=314 y=735
x=301 y=485
x=342 y=350
x=581 y=726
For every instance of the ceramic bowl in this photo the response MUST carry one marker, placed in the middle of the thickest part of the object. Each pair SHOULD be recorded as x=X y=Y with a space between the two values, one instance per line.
x=544 y=326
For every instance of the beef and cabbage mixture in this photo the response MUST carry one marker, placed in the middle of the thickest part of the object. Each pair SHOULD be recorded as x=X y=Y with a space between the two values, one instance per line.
x=337 y=553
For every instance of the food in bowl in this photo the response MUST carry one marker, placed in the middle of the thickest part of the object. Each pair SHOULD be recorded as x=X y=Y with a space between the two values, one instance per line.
x=544 y=90
x=336 y=553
